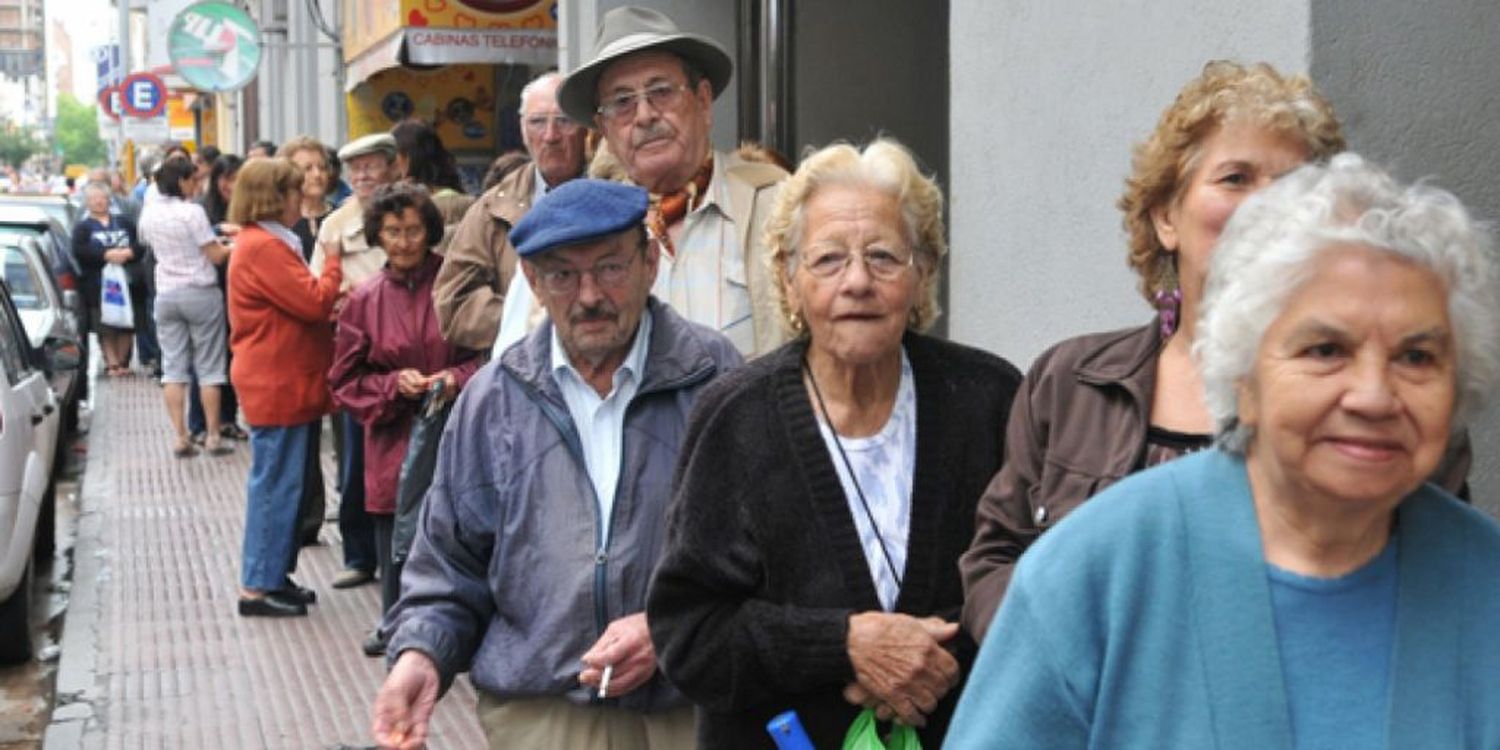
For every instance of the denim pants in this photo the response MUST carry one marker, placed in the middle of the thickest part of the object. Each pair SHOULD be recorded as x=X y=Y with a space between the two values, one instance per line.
x=273 y=495
x=355 y=525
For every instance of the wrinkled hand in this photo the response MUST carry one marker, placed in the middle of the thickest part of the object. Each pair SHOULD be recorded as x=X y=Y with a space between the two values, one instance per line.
x=450 y=384
x=332 y=248
x=899 y=661
x=405 y=702
x=410 y=383
x=626 y=644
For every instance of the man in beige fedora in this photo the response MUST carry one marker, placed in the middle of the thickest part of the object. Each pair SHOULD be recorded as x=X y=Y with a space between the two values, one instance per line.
x=649 y=88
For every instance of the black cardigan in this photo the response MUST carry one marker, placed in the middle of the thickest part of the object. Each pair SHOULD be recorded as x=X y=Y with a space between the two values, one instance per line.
x=750 y=604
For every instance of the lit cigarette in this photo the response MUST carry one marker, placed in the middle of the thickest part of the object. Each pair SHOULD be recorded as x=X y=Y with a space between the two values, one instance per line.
x=609 y=669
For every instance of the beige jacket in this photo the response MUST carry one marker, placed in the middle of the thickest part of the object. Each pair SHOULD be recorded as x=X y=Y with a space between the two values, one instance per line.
x=347 y=225
x=753 y=187
x=479 y=262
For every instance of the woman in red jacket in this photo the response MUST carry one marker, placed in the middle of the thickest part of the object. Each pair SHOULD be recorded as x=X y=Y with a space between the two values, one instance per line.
x=389 y=352
x=283 y=345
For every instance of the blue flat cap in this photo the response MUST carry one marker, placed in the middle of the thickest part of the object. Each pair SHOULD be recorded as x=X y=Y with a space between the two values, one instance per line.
x=576 y=212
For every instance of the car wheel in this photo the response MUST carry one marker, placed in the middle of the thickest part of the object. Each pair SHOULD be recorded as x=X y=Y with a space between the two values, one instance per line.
x=46 y=525
x=15 y=623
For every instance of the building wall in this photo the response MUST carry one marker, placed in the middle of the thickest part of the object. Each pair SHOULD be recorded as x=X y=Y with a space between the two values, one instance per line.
x=297 y=91
x=1416 y=87
x=1047 y=100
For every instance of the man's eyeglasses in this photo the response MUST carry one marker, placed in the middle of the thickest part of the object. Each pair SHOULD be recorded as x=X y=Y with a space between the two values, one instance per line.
x=661 y=97
x=537 y=124
x=610 y=274
x=883 y=264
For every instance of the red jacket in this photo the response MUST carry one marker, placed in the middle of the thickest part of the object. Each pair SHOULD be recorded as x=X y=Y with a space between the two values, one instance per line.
x=282 y=342
x=389 y=325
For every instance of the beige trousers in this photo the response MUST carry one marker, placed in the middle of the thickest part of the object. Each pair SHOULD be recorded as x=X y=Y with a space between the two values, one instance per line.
x=544 y=723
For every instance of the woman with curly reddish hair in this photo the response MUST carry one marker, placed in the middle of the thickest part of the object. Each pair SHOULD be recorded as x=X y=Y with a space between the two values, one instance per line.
x=1098 y=407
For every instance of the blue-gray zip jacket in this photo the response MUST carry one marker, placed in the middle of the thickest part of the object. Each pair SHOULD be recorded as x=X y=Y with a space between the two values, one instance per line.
x=509 y=577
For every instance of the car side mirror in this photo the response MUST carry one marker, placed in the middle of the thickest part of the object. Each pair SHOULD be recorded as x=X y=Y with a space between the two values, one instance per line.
x=62 y=355
x=70 y=299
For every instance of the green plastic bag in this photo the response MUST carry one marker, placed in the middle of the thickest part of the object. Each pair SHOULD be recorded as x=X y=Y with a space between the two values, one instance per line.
x=864 y=734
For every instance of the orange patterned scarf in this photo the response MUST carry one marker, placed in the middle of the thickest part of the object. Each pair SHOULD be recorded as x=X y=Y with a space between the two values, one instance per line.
x=669 y=209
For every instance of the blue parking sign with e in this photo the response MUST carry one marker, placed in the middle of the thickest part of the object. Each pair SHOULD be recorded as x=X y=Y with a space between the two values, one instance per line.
x=143 y=95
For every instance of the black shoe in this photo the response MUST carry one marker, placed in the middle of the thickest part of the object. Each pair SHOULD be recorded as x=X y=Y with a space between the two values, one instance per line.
x=290 y=590
x=374 y=644
x=272 y=604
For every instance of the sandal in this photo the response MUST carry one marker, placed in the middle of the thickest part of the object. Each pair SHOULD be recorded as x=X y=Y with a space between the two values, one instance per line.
x=216 y=448
x=184 y=450
x=233 y=432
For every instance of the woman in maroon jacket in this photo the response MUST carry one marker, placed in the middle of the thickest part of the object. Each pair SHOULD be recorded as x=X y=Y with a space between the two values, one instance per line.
x=388 y=353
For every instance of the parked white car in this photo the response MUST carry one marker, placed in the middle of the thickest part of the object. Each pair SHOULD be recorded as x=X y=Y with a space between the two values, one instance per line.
x=29 y=427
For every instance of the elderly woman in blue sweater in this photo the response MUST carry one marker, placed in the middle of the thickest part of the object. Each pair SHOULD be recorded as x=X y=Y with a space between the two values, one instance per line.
x=1300 y=586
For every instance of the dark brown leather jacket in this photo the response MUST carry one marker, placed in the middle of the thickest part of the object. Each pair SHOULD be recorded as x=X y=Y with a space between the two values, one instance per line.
x=1079 y=425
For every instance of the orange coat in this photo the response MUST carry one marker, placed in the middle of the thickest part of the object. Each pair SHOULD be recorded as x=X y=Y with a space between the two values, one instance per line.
x=280 y=331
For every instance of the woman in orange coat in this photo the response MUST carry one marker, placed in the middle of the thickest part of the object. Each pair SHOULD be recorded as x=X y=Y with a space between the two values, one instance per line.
x=279 y=314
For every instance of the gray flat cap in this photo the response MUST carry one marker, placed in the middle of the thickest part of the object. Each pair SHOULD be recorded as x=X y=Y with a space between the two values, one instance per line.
x=375 y=143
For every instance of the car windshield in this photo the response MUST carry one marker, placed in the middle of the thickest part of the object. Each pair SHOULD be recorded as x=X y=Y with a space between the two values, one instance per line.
x=25 y=287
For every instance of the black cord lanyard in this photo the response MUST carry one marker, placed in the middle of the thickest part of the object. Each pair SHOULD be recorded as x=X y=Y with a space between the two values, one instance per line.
x=823 y=409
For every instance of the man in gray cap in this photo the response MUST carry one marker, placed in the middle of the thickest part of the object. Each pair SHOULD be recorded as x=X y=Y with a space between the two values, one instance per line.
x=544 y=520
x=649 y=88
x=370 y=163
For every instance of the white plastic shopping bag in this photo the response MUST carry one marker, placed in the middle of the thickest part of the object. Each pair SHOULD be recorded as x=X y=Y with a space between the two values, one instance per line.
x=114 y=298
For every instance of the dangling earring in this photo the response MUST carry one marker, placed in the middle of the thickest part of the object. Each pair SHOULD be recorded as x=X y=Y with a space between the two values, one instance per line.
x=1168 y=297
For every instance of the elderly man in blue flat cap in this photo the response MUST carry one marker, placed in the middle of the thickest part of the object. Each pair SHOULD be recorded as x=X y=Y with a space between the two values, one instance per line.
x=547 y=509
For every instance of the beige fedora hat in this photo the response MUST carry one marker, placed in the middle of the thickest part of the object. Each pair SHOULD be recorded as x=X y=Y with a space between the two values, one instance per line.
x=629 y=29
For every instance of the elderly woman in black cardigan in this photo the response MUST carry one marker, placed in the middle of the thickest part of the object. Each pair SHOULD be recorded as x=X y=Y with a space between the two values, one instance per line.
x=827 y=489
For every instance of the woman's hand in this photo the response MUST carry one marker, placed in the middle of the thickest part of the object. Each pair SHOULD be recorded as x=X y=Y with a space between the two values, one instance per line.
x=899 y=661
x=228 y=228
x=410 y=383
x=332 y=248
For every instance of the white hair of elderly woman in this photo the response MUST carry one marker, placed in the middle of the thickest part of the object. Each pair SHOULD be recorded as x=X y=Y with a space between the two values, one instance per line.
x=1270 y=245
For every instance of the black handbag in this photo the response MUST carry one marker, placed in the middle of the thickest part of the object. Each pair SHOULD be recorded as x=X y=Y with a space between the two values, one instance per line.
x=417 y=468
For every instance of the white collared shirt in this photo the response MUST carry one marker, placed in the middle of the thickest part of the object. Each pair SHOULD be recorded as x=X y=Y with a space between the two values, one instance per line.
x=705 y=283
x=539 y=186
x=601 y=421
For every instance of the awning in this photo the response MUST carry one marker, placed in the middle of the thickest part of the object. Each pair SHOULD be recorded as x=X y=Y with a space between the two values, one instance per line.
x=438 y=46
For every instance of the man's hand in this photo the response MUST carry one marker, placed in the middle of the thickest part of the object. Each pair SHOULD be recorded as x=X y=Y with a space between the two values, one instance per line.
x=626 y=646
x=118 y=255
x=405 y=702
x=899 y=661
x=410 y=383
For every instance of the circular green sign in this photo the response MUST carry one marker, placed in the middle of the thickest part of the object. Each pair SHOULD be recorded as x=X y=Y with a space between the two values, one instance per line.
x=214 y=46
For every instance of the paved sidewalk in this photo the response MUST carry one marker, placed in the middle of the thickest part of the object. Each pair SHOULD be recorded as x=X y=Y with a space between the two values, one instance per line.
x=154 y=654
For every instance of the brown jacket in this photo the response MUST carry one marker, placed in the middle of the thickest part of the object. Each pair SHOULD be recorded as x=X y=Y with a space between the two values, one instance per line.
x=479 y=261
x=1078 y=426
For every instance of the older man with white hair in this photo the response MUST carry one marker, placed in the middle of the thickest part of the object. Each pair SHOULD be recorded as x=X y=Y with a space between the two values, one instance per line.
x=480 y=261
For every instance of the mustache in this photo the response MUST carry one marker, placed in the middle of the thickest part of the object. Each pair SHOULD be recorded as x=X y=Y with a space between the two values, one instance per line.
x=597 y=313
x=657 y=129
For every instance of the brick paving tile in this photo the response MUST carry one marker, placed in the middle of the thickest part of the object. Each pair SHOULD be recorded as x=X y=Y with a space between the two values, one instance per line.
x=160 y=656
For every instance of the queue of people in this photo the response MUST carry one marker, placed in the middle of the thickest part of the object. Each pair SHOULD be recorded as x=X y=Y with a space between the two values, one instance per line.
x=1280 y=554
x=705 y=466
